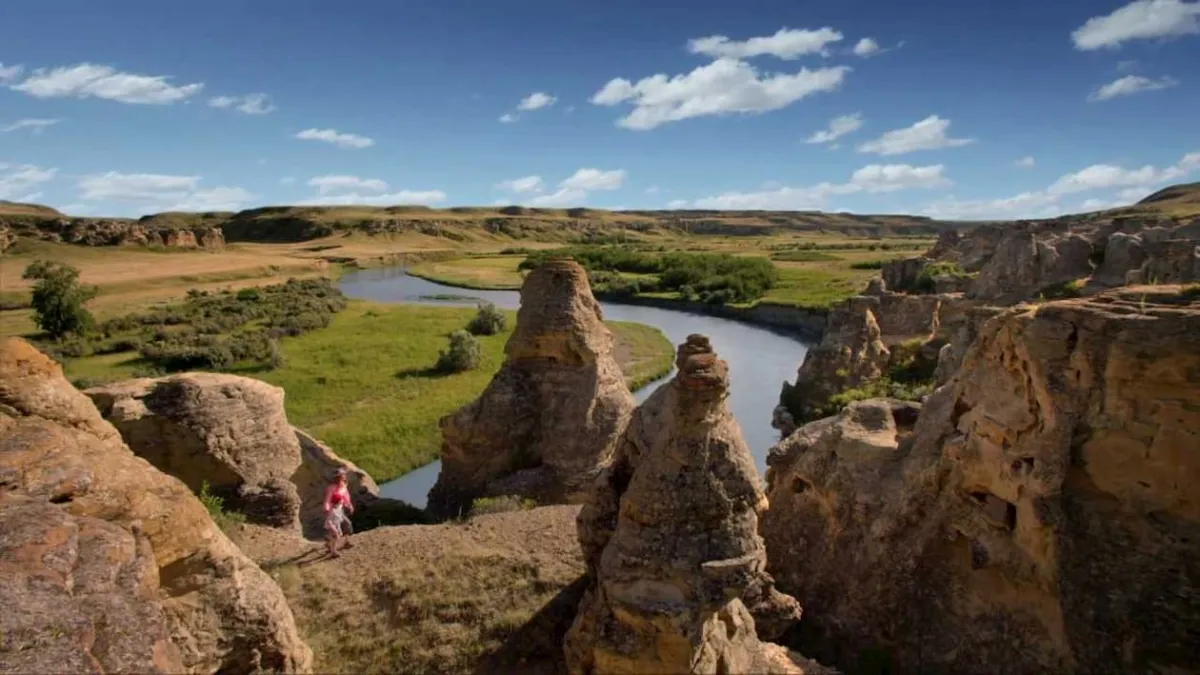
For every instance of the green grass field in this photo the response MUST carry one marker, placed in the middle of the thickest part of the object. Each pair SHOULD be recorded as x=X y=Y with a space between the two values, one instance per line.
x=364 y=384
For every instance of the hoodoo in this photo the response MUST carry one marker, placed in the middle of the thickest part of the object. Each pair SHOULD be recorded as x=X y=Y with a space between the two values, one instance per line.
x=671 y=541
x=551 y=418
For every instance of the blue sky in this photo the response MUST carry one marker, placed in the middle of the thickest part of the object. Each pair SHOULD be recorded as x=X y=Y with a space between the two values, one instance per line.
x=950 y=109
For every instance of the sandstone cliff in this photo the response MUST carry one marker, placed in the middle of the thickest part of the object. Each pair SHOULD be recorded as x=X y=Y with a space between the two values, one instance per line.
x=109 y=232
x=157 y=586
x=671 y=542
x=551 y=417
x=1040 y=515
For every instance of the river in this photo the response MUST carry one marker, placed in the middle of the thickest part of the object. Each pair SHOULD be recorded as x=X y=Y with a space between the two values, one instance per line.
x=759 y=359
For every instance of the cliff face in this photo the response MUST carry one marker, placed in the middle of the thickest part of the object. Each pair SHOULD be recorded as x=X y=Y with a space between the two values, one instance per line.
x=108 y=232
x=670 y=537
x=158 y=586
x=1038 y=516
x=551 y=417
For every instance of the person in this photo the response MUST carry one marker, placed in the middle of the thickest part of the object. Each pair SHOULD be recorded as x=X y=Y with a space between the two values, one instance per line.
x=337 y=523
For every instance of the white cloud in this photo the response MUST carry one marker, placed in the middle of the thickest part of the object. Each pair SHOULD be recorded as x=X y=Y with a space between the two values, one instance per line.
x=427 y=197
x=677 y=204
x=873 y=178
x=1126 y=65
x=1140 y=20
x=1025 y=162
x=526 y=184
x=251 y=104
x=508 y=118
x=866 y=47
x=928 y=134
x=561 y=197
x=786 y=43
x=337 y=138
x=594 y=179
x=161 y=192
x=722 y=87
x=87 y=80
x=35 y=125
x=333 y=183
x=1131 y=84
x=10 y=72
x=652 y=190
x=287 y=180
x=535 y=101
x=838 y=127
x=1135 y=184
x=16 y=179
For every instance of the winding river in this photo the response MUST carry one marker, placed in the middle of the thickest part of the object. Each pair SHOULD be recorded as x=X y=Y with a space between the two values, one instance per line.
x=759 y=358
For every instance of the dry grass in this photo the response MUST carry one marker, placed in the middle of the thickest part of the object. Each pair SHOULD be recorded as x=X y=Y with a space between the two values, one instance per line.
x=494 y=594
x=480 y=272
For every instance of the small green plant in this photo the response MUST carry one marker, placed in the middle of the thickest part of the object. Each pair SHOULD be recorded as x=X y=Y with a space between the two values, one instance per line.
x=463 y=354
x=487 y=321
x=926 y=281
x=867 y=265
x=226 y=520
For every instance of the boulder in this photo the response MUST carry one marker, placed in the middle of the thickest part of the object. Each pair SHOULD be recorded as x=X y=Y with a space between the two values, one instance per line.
x=63 y=461
x=226 y=431
x=1039 y=516
x=901 y=274
x=552 y=416
x=671 y=542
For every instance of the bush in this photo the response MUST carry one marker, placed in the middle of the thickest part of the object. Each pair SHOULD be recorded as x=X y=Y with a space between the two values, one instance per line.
x=867 y=265
x=505 y=504
x=926 y=280
x=463 y=354
x=487 y=321
x=58 y=299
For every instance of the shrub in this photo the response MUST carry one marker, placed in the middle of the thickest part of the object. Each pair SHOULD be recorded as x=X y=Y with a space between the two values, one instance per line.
x=867 y=265
x=926 y=280
x=58 y=299
x=226 y=520
x=463 y=354
x=504 y=504
x=487 y=321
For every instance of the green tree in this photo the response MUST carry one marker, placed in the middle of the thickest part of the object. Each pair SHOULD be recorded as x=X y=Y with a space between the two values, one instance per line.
x=58 y=299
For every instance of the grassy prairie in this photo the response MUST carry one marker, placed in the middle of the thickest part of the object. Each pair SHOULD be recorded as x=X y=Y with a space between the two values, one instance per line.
x=364 y=384
x=479 y=272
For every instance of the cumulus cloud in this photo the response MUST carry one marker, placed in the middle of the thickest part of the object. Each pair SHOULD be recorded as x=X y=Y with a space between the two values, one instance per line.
x=1139 y=20
x=1131 y=84
x=928 y=134
x=1133 y=183
x=536 y=101
x=87 y=80
x=425 y=197
x=8 y=73
x=560 y=197
x=251 y=104
x=34 y=125
x=786 y=43
x=161 y=192
x=340 y=183
x=508 y=118
x=873 y=178
x=523 y=185
x=1025 y=162
x=17 y=179
x=838 y=127
x=342 y=140
x=594 y=179
x=725 y=86
x=866 y=47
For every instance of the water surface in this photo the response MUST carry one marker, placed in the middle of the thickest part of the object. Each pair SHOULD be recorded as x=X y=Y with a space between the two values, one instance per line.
x=759 y=359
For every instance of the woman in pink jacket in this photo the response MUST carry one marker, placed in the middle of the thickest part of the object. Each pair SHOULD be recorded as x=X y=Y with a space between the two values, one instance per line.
x=337 y=523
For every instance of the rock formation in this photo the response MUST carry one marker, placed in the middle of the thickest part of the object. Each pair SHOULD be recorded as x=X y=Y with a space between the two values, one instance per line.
x=225 y=431
x=1040 y=515
x=550 y=419
x=670 y=537
x=109 y=558
x=112 y=232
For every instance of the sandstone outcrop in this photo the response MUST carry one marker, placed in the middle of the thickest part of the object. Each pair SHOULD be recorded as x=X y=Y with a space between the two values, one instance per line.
x=671 y=542
x=1039 y=515
x=226 y=431
x=551 y=417
x=113 y=232
x=105 y=514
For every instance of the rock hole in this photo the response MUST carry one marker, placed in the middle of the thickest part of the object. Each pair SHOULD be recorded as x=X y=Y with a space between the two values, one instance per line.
x=62 y=499
x=1073 y=339
x=1023 y=465
x=979 y=555
x=960 y=409
x=1143 y=483
x=996 y=510
x=800 y=485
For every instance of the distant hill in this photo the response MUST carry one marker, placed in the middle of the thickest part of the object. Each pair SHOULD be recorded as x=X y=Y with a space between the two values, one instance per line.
x=1177 y=197
x=8 y=208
